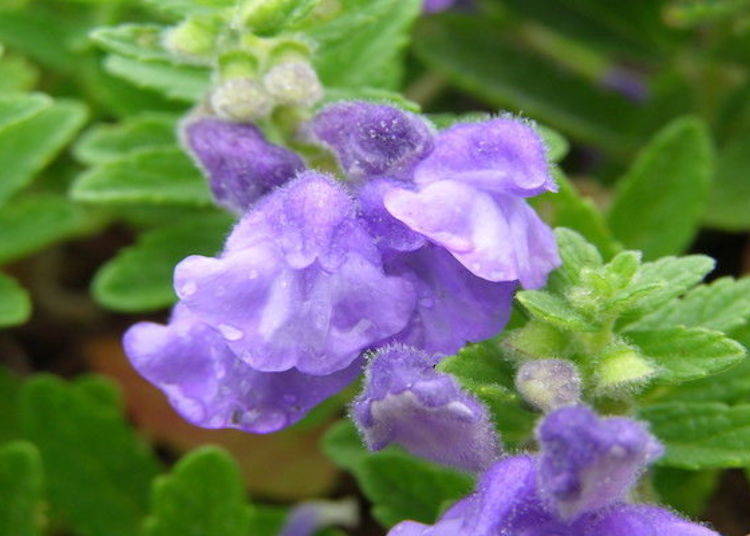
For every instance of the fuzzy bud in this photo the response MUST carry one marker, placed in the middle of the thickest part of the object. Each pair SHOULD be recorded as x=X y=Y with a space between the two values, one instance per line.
x=293 y=82
x=241 y=99
x=549 y=384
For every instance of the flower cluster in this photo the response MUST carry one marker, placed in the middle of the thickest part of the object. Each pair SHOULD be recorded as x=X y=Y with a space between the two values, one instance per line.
x=576 y=486
x=423 y=244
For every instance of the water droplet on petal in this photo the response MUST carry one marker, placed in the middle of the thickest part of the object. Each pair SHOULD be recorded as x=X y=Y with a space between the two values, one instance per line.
x=230 y=333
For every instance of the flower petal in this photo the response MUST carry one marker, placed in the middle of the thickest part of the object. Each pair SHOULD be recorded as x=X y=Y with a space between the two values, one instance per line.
x=210 y=387
x=588 y=463
x=406 y=401
x=504 y=156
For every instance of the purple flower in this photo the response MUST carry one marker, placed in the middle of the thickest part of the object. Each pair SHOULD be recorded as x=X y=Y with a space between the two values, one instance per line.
x=210 y=387
x=238 y=162
x=407 y=402
x=628 y=83
x=468 y=195
x=549 y=384
x=300 y=283
x=372 y=140
x=575 y=487
x=309 y=517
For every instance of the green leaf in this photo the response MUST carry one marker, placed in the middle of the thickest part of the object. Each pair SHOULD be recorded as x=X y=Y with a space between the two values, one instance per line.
x=34 y=221
x=731 y=386
x=723 y=305
x=686 y=491
x=180 y=9
x=483 y=370
x=149 y=176
x=17 y=108
x=672 y=276
x=687 y=353
x=27 y=146
x=659 y=202
x=184 y=83
x=10 y=385
x=567 y=208
x=399 y=485
x=140 y=277
x=730 y=194
x=701 y=435
x=203 y=494
x=404 y=487
x=17 y=74
x=98 y=472
x=555 y=310
x=20 y=489
x=15 y=305
x=104 y=143
x=362 y=44
x=459 y=47
x=576 y=254
x=267 y=520
x=137 y=41
x=556 y=144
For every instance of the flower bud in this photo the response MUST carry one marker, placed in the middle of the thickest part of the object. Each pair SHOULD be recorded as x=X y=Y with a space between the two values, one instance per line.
x=307 y=518
x=241 y=99
x=621 y=367
x=293 y=82
x=194 y=38
x=549 y=384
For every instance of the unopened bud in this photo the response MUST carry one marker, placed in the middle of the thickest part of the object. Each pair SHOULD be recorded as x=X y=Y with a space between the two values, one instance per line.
x=622 y=367
x=548 y=384
x=241 y=99
x=193 y=38
x=293 y=82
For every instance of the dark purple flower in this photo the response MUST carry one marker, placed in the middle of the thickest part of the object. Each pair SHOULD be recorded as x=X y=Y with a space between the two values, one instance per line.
x=210 y=387
x=407 y=402
x=372 y=140
x=575 y=487
x=627 y=83
x=300 y=283
x=238 y=162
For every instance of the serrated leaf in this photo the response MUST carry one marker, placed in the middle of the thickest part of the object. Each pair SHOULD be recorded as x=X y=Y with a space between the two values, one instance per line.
x=138 y=41
x=98 y=472
x=34 y=221
x=139 y=278
x=104 y=143
x=20 y=489
x=399 y=485
x=203 y=494
x=724 y=305
x=16 y=108
x=555 y=310
x=149 y=176
x=184 y=83
x=659 y=202
x=666 y=279
x=684 y=354
x=701 y=435
x=362 y=44
x=27 y=146
x=731 y=386
x=15 y=305
x=458 y=47
x=576 y=253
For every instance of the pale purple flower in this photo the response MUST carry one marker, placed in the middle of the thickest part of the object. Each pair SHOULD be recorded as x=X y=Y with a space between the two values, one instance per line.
x=210 y=387
x=549 y=384
x=468 y=196
x=307 y=518
x=300 y=283
x=576 y=486
x=407 y=402
x=238 y=162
